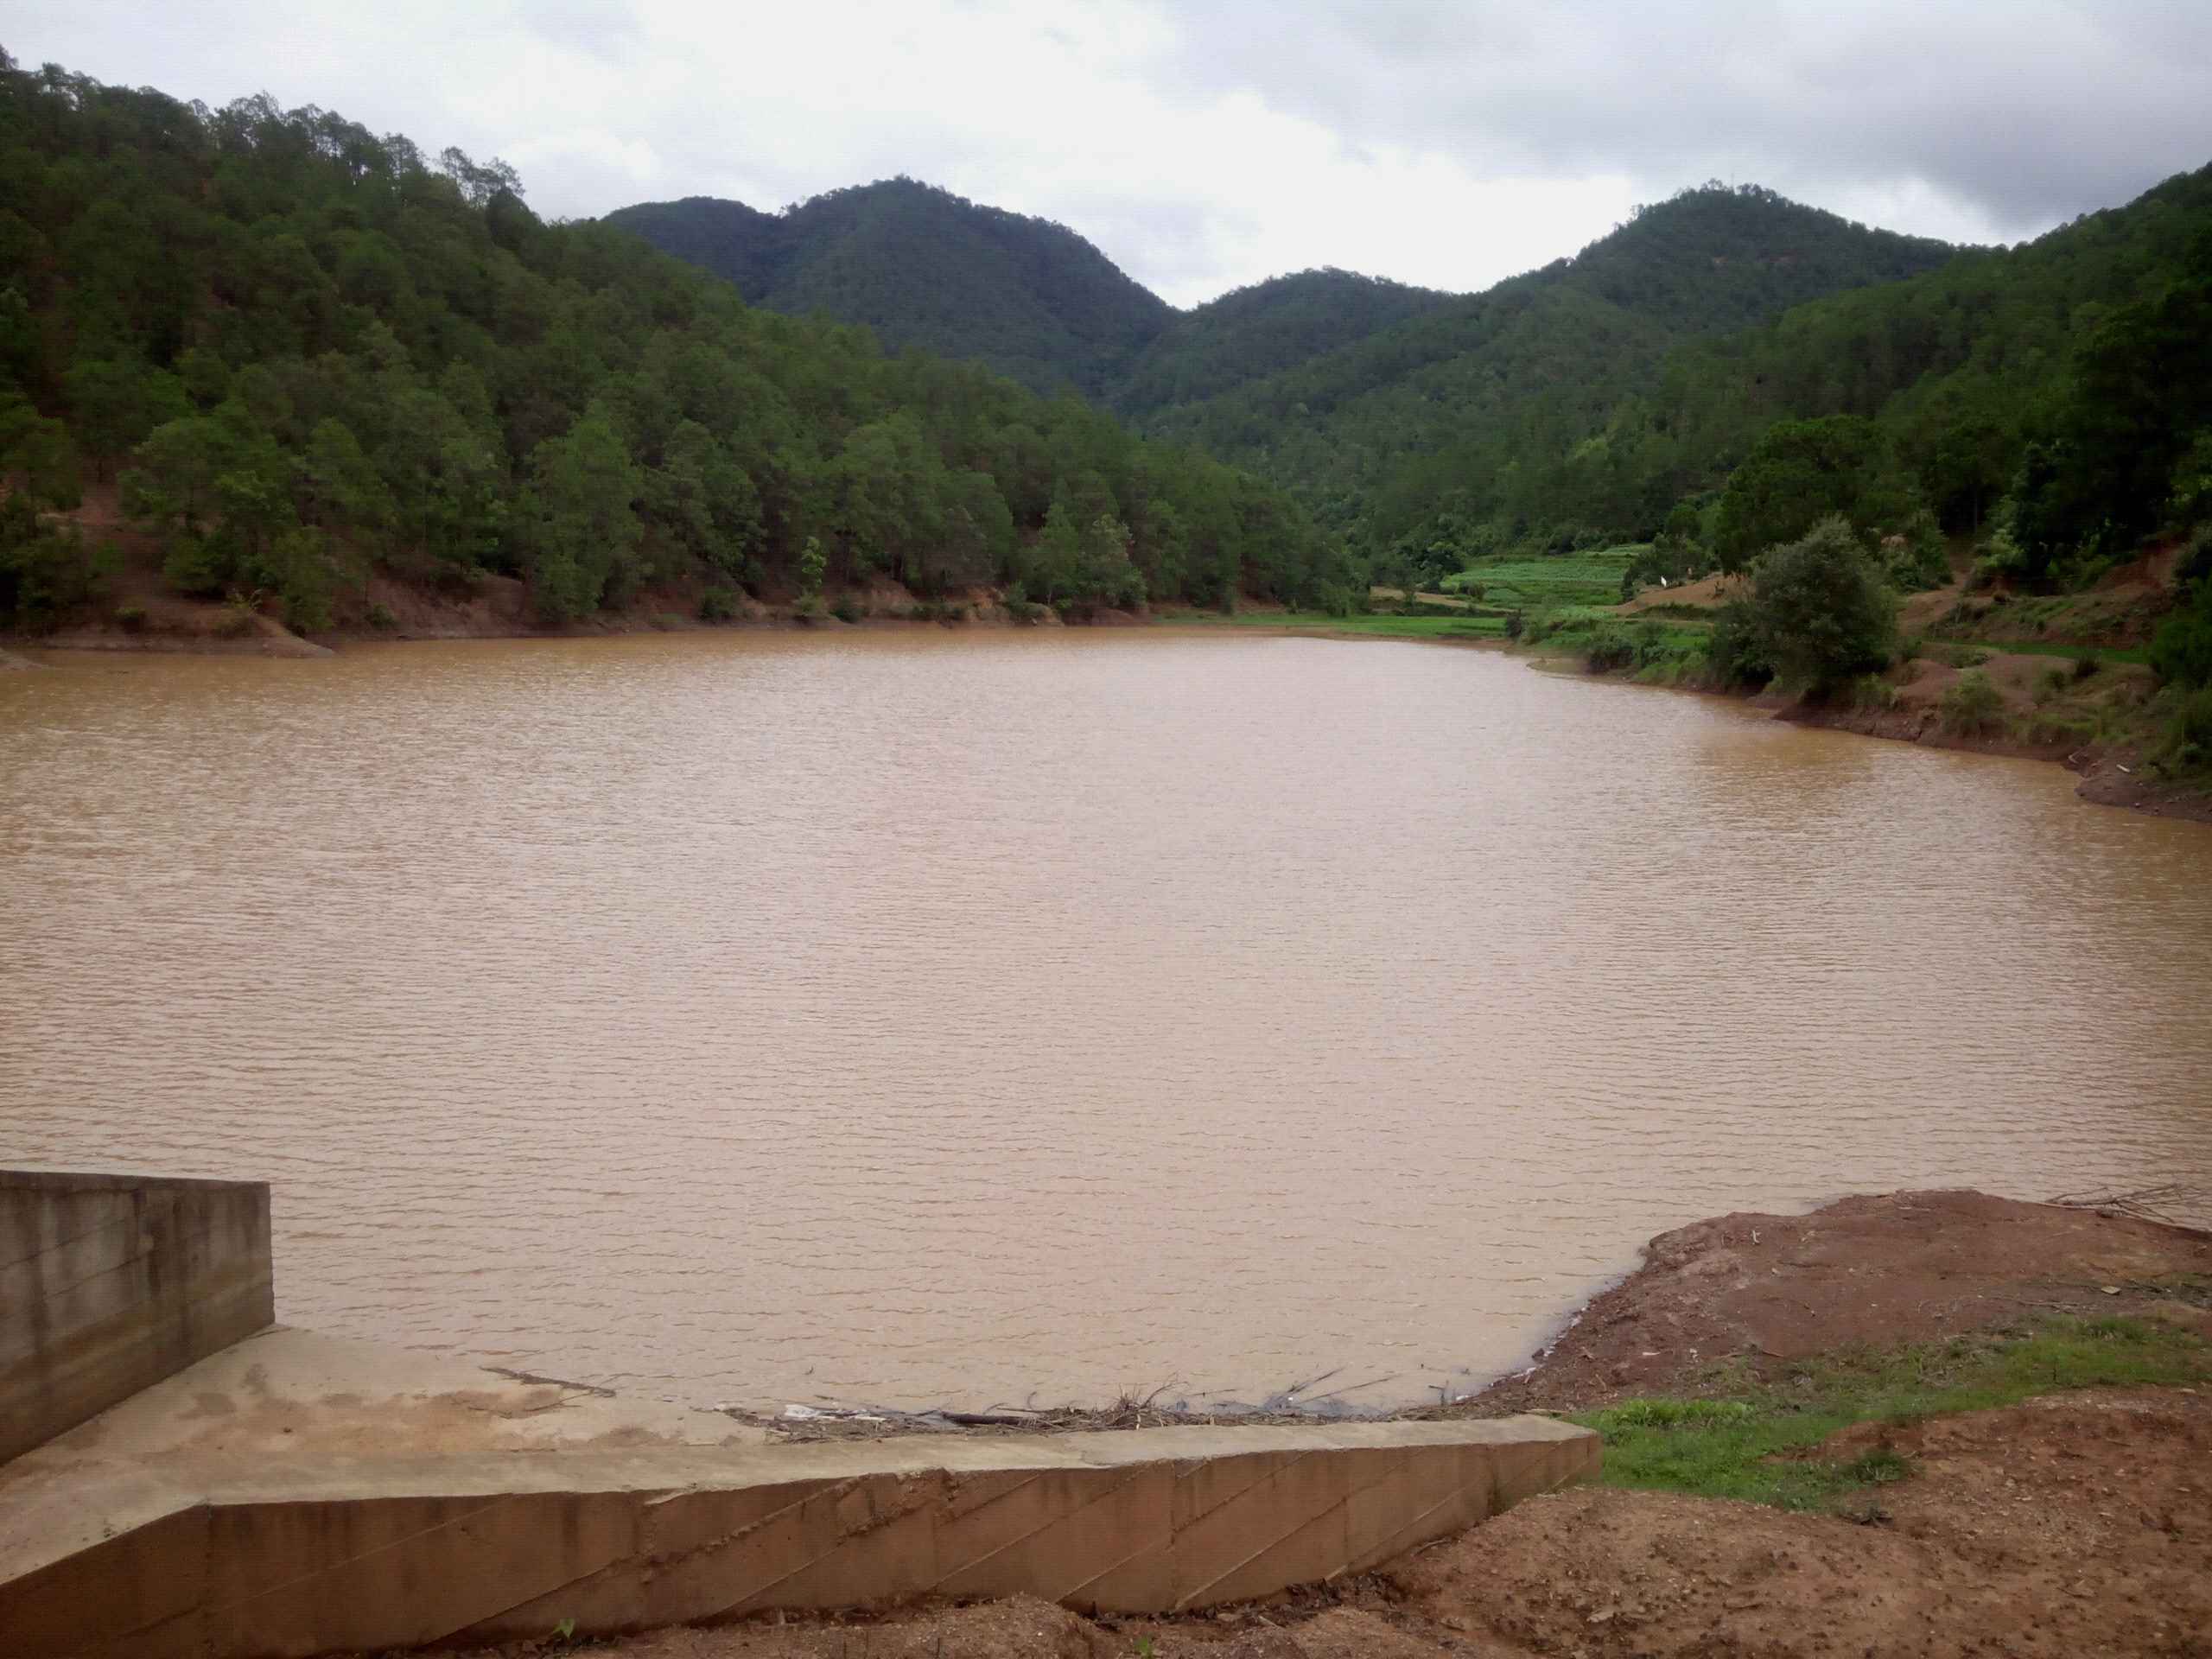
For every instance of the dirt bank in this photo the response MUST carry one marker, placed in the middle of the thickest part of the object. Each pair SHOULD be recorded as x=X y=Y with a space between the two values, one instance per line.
x=1764 y=1290
x=2075 y=1524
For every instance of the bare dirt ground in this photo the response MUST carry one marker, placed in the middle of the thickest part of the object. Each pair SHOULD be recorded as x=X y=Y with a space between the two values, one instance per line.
x=1708 y=593
x=1882 y=1271
x=2070 y=1525
x=2067 y=1526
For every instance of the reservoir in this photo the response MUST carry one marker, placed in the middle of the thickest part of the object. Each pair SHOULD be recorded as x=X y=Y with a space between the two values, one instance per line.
x=927 y=1016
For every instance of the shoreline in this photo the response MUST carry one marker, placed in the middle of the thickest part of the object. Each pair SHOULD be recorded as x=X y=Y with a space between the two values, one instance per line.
x=1751 y=1294
x=2106 y=778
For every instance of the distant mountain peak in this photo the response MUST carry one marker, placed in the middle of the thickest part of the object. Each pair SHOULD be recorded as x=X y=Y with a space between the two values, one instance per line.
x=924 y=267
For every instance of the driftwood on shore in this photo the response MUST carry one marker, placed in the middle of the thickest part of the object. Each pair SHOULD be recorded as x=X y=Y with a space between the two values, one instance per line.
x=2160 y=1204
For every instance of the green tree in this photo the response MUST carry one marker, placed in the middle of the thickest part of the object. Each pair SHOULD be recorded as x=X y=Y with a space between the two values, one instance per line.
x=36 y=453
x=1818 y=609
x=338 y=483
x=178 y=468
x=705 y=499
x=2181 y=651
x=115 y=402
x=1800 y=472
x=578 y=515
x=2108 y=466
x=442 y=474
x=43 y=572
x=889 y=493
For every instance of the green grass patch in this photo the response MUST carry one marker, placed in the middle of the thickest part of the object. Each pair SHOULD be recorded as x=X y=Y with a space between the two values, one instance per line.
x=2047 y=648
x=1749 y=1440
x=1517 y=581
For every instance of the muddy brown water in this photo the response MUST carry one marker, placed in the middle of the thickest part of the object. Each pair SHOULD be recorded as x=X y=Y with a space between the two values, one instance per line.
x=927 y=1016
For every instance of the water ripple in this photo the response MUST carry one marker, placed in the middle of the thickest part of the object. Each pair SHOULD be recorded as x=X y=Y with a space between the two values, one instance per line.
x=927 y=1016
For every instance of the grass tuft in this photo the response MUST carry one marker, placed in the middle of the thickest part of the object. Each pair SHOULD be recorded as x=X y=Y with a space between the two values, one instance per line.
x=1752 y=1442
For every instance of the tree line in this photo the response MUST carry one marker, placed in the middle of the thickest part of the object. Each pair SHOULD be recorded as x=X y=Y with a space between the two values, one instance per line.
x=296 y=349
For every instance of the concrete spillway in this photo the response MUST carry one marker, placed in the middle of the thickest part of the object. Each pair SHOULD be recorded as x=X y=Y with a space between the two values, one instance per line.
x=292 y=1496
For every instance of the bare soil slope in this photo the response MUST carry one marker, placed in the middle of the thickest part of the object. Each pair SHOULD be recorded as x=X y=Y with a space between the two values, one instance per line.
x=1881 y=1270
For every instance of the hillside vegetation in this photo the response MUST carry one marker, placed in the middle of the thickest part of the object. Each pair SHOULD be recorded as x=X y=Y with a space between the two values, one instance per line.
x=1252 y=332
x=1470 y=425
x=306 y=352
x=925 y=270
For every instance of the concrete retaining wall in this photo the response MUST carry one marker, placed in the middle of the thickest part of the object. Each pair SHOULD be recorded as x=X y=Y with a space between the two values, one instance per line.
x=109 y=1283
x=488 y=1548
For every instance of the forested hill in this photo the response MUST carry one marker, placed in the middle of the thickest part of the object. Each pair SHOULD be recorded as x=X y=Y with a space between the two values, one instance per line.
x=1254 y=332
x=1375 y=433
x=923 y=268
x=1570 y=413
x=306 y=352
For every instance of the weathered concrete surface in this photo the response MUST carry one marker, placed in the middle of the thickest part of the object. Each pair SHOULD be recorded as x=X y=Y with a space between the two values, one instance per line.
x=289 y=1399
x=109 y=1283
x=180 y=1552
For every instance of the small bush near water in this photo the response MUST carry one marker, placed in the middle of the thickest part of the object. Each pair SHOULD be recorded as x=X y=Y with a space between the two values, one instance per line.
x=1973 y=707
x=2188 y=743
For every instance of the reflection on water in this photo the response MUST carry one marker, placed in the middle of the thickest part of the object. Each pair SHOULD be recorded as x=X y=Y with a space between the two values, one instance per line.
x=928 y=1015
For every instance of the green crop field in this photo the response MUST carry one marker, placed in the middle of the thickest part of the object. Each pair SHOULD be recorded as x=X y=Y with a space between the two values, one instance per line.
x=1591 y=577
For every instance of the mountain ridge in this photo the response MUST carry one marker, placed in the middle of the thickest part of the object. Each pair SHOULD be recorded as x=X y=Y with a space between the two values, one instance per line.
x=924 y=267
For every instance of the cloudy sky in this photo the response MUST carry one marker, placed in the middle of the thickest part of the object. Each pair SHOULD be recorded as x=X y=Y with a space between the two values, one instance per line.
x=1448 y=142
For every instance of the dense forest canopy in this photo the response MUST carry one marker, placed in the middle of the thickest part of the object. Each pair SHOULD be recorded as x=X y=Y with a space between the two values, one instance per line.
x=1469 y=426
x=299 y=347
x=1254 y=332
x=926 y=270
x=1589 y=401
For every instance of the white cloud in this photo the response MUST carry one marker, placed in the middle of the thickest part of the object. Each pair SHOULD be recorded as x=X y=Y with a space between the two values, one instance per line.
x=1202 y=146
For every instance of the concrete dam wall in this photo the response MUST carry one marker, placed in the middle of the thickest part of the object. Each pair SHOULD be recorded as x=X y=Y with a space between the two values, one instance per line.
x=109 y=1283
x=249 y=1492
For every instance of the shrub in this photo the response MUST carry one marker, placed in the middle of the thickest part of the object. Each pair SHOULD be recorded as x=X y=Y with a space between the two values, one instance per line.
x=2188 y=741
x=2086 y=664
x=381 y=617
x=1997 y=559
x=2195 y=564
x=132 y=619
x=43 y=572
x=1973 y=706
x=717 y=605
x=239 y=610
x=2181 y=651
x=1820 y=610
x=846 y=608
x=1915 y=561
x=1733 y=653
x=196 y=567
x=1610 y=648
x=1872 y=693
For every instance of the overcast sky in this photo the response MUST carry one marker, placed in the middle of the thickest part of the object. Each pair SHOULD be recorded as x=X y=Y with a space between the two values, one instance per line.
x=1204 y=145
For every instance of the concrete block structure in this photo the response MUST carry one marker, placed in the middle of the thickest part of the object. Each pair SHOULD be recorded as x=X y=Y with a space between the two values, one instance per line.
x=109 y=1283
x=296 y=1561
x=265 y=1493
